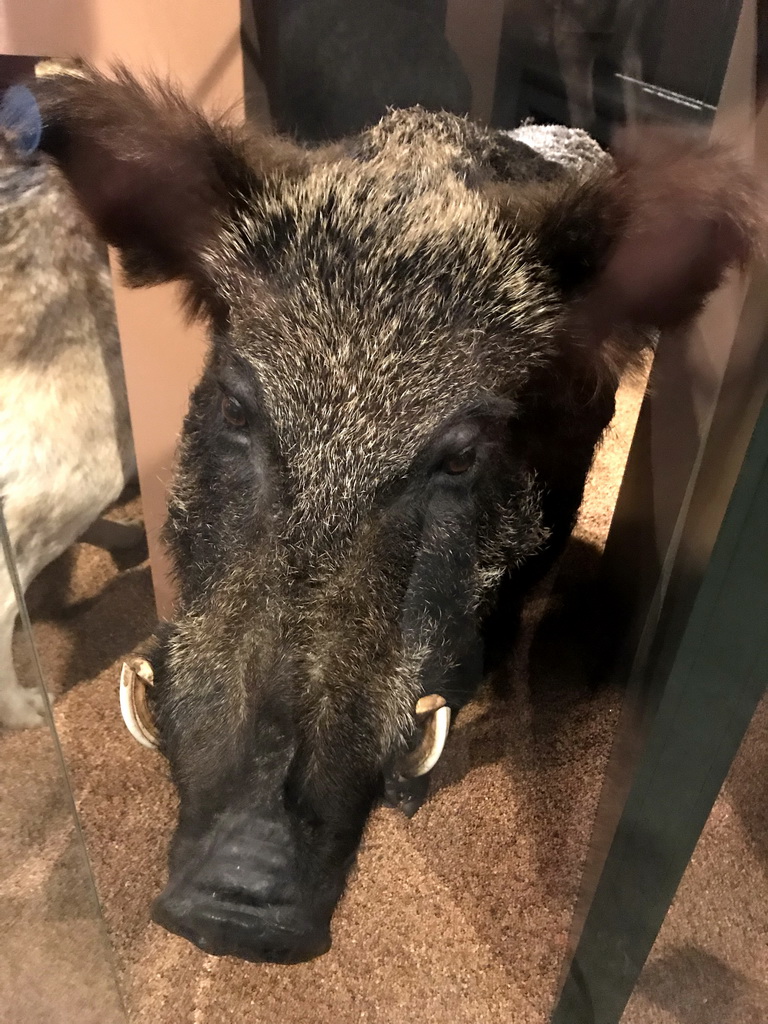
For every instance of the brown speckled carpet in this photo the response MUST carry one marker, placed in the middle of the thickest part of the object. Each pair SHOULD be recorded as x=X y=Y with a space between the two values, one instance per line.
x=460 y=915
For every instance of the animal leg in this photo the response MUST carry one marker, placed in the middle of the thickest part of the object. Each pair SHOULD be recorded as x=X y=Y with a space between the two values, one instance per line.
x=20 y=706
x=113 y=535
x=576 y=56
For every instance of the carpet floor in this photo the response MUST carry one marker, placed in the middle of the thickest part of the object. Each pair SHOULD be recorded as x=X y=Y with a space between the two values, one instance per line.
x=461 y=914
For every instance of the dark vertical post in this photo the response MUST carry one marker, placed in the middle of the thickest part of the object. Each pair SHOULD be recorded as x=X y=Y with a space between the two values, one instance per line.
x=716 y=675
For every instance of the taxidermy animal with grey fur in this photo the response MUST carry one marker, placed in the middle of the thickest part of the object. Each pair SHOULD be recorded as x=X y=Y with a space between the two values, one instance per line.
x=415 y=339
x=65 y=441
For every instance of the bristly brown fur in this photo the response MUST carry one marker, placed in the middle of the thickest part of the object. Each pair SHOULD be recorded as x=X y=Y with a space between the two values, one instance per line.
x=379 y=309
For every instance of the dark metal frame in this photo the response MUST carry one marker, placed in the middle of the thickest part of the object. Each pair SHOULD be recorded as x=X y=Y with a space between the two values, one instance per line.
x=711 y=688
x=695 y=580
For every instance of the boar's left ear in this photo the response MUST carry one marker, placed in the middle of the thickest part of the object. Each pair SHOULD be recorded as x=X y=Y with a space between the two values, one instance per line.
x=157 y=177
x=643 y=244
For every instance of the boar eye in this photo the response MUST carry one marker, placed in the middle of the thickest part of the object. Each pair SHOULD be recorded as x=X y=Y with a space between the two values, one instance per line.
x=460 y=463
x=232 y=411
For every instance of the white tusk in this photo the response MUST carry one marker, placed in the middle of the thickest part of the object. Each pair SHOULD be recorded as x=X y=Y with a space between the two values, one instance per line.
x=435 y=716
x=135 y=677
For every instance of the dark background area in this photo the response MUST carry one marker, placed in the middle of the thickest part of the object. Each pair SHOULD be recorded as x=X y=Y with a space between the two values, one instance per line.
x=331 y=67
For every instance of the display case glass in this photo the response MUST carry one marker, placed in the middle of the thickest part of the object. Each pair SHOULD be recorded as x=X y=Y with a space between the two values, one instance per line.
x=592 y=849
x=57 y=963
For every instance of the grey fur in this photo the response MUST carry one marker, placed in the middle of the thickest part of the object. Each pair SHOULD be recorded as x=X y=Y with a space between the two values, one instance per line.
x=65 y=442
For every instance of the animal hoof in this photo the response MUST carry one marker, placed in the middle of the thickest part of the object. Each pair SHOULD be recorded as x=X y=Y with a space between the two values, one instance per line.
x=114 y=534
x=22 y=708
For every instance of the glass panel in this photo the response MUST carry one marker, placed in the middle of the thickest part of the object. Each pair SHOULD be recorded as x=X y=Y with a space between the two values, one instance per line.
x=522 y=777
x=692 y=690
x=66 y=455
x=710 y=677
x=56 y=965
x=596 y=65
x=593 y=66
x=709 y=964
x=467 y=906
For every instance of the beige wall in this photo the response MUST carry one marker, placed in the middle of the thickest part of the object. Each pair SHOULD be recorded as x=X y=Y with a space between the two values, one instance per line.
x=197 y=42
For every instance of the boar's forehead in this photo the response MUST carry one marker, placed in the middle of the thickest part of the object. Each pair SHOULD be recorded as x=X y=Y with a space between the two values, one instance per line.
x=390 y=301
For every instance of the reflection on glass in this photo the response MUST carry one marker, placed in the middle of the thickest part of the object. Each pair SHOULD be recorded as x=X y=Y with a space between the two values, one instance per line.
x=598 y=65
x=470 y=903
x=710 y=961
x=56 y=964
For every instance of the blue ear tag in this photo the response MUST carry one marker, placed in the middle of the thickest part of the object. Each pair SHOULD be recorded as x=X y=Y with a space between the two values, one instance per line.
x=20 y=117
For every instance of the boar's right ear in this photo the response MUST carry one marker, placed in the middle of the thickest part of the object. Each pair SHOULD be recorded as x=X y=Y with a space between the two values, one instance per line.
x=156 y=176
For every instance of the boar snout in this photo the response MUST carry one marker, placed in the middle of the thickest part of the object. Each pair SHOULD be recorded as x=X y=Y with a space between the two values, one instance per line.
x=257 y=867
x=242 y=890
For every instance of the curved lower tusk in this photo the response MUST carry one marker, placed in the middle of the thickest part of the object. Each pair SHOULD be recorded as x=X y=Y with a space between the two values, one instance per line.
x=435 y=717
x=135 y=676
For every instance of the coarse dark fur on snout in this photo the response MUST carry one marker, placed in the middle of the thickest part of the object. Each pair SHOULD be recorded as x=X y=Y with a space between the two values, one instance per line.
x=416 y=336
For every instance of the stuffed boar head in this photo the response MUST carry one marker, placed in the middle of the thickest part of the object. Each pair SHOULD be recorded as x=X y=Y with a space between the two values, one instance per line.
x=415 y=337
